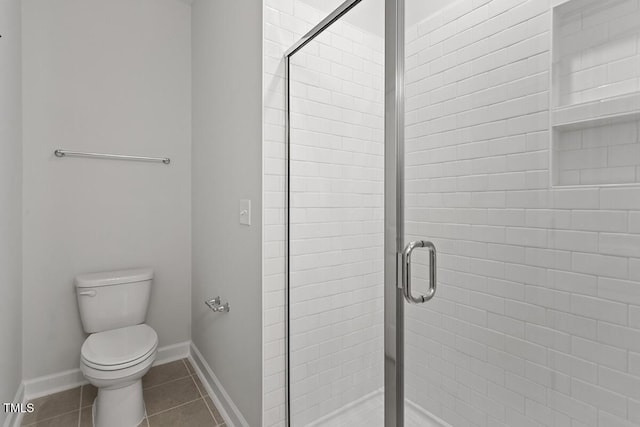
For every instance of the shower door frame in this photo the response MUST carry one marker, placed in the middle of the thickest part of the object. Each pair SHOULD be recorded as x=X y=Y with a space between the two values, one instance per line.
x=393 y=203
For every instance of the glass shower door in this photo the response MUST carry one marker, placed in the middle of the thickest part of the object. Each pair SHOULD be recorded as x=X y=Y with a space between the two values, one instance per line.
x=521 y=162
x=510 y=155
x=336 y=223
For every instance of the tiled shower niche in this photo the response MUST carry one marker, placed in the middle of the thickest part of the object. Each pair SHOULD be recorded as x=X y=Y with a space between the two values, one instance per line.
x=596 y=52
x=595 y=115
x=600 y=152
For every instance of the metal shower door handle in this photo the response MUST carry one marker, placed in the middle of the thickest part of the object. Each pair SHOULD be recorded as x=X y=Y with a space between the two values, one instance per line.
x=406 y=272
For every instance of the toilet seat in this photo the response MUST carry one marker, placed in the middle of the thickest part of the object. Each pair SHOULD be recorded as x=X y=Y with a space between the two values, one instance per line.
x=119 y=349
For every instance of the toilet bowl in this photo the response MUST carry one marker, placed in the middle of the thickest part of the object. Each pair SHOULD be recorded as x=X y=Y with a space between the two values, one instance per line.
x=114 y=361
x=120 y=349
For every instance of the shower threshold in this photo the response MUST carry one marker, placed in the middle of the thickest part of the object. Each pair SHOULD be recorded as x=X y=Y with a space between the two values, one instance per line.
x=369 y=411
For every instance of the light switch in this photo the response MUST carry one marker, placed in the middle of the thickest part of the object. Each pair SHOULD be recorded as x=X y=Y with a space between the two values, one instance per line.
x=245 y=212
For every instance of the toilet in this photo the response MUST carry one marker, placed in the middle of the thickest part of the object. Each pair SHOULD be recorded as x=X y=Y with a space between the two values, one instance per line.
x=121 y=347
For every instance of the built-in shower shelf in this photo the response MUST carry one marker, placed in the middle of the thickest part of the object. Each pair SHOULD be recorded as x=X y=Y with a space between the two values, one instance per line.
x=596 y=143
x=595 y=51
x=595 y=93
x=610 y=110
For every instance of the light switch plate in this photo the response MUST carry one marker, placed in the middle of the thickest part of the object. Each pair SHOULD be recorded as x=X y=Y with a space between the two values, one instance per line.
x=245 y=212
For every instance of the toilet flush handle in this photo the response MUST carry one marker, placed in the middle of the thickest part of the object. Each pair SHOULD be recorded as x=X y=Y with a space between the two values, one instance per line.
x=88 y=293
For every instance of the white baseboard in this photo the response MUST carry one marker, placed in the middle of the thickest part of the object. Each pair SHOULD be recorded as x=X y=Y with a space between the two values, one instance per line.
x=229 y=411
x=49 y=384
x=72 y=378
x=15 y=419
x=171 y=353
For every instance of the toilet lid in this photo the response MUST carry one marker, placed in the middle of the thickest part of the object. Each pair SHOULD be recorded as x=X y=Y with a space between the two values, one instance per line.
x=117 y=347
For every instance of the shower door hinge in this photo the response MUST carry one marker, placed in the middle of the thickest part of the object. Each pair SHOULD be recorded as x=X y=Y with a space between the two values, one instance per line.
x=399 y=264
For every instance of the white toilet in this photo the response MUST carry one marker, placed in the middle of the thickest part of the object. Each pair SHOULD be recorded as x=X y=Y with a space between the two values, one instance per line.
x=121 y=347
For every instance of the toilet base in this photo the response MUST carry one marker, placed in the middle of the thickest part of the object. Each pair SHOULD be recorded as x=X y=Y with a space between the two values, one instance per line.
x=120 y=407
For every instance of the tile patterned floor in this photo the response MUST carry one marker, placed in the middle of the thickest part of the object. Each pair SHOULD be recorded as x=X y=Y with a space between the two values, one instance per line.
x=173 y=395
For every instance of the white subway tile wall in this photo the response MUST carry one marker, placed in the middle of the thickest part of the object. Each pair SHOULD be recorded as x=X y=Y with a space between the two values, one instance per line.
x=337 y=230
x=336 y=204
x=535 y=319
x=537 y=316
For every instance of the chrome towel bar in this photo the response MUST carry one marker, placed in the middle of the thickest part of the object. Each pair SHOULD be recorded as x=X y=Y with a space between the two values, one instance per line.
x=64 y=153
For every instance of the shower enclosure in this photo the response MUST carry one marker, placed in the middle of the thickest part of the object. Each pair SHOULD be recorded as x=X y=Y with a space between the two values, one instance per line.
x=489 y=149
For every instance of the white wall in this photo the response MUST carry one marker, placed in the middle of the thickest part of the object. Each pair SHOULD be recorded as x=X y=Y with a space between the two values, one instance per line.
x=105 y=76
x=227 y=167
x=11 y=203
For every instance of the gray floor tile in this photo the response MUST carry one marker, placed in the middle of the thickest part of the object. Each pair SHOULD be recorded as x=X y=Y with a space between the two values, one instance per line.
x=194 y=414
x=164 y=373
x=67 y=420
x=53 y=405
x=89 y=393
x=169 y=395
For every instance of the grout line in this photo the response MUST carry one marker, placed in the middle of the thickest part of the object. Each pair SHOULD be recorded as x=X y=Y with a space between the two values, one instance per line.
x=173 y=407
x=192 y=371
x=204 y=398
x=50 y=418
x=90 y=404
x=215 y=420
x=198 y=388
x=167 y=382
x=80 y=406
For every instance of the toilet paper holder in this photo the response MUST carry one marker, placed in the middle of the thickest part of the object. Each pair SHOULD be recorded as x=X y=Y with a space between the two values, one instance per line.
x=216 y=305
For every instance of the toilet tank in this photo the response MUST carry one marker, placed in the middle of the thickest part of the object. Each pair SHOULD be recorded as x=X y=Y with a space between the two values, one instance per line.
x=113 y=299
